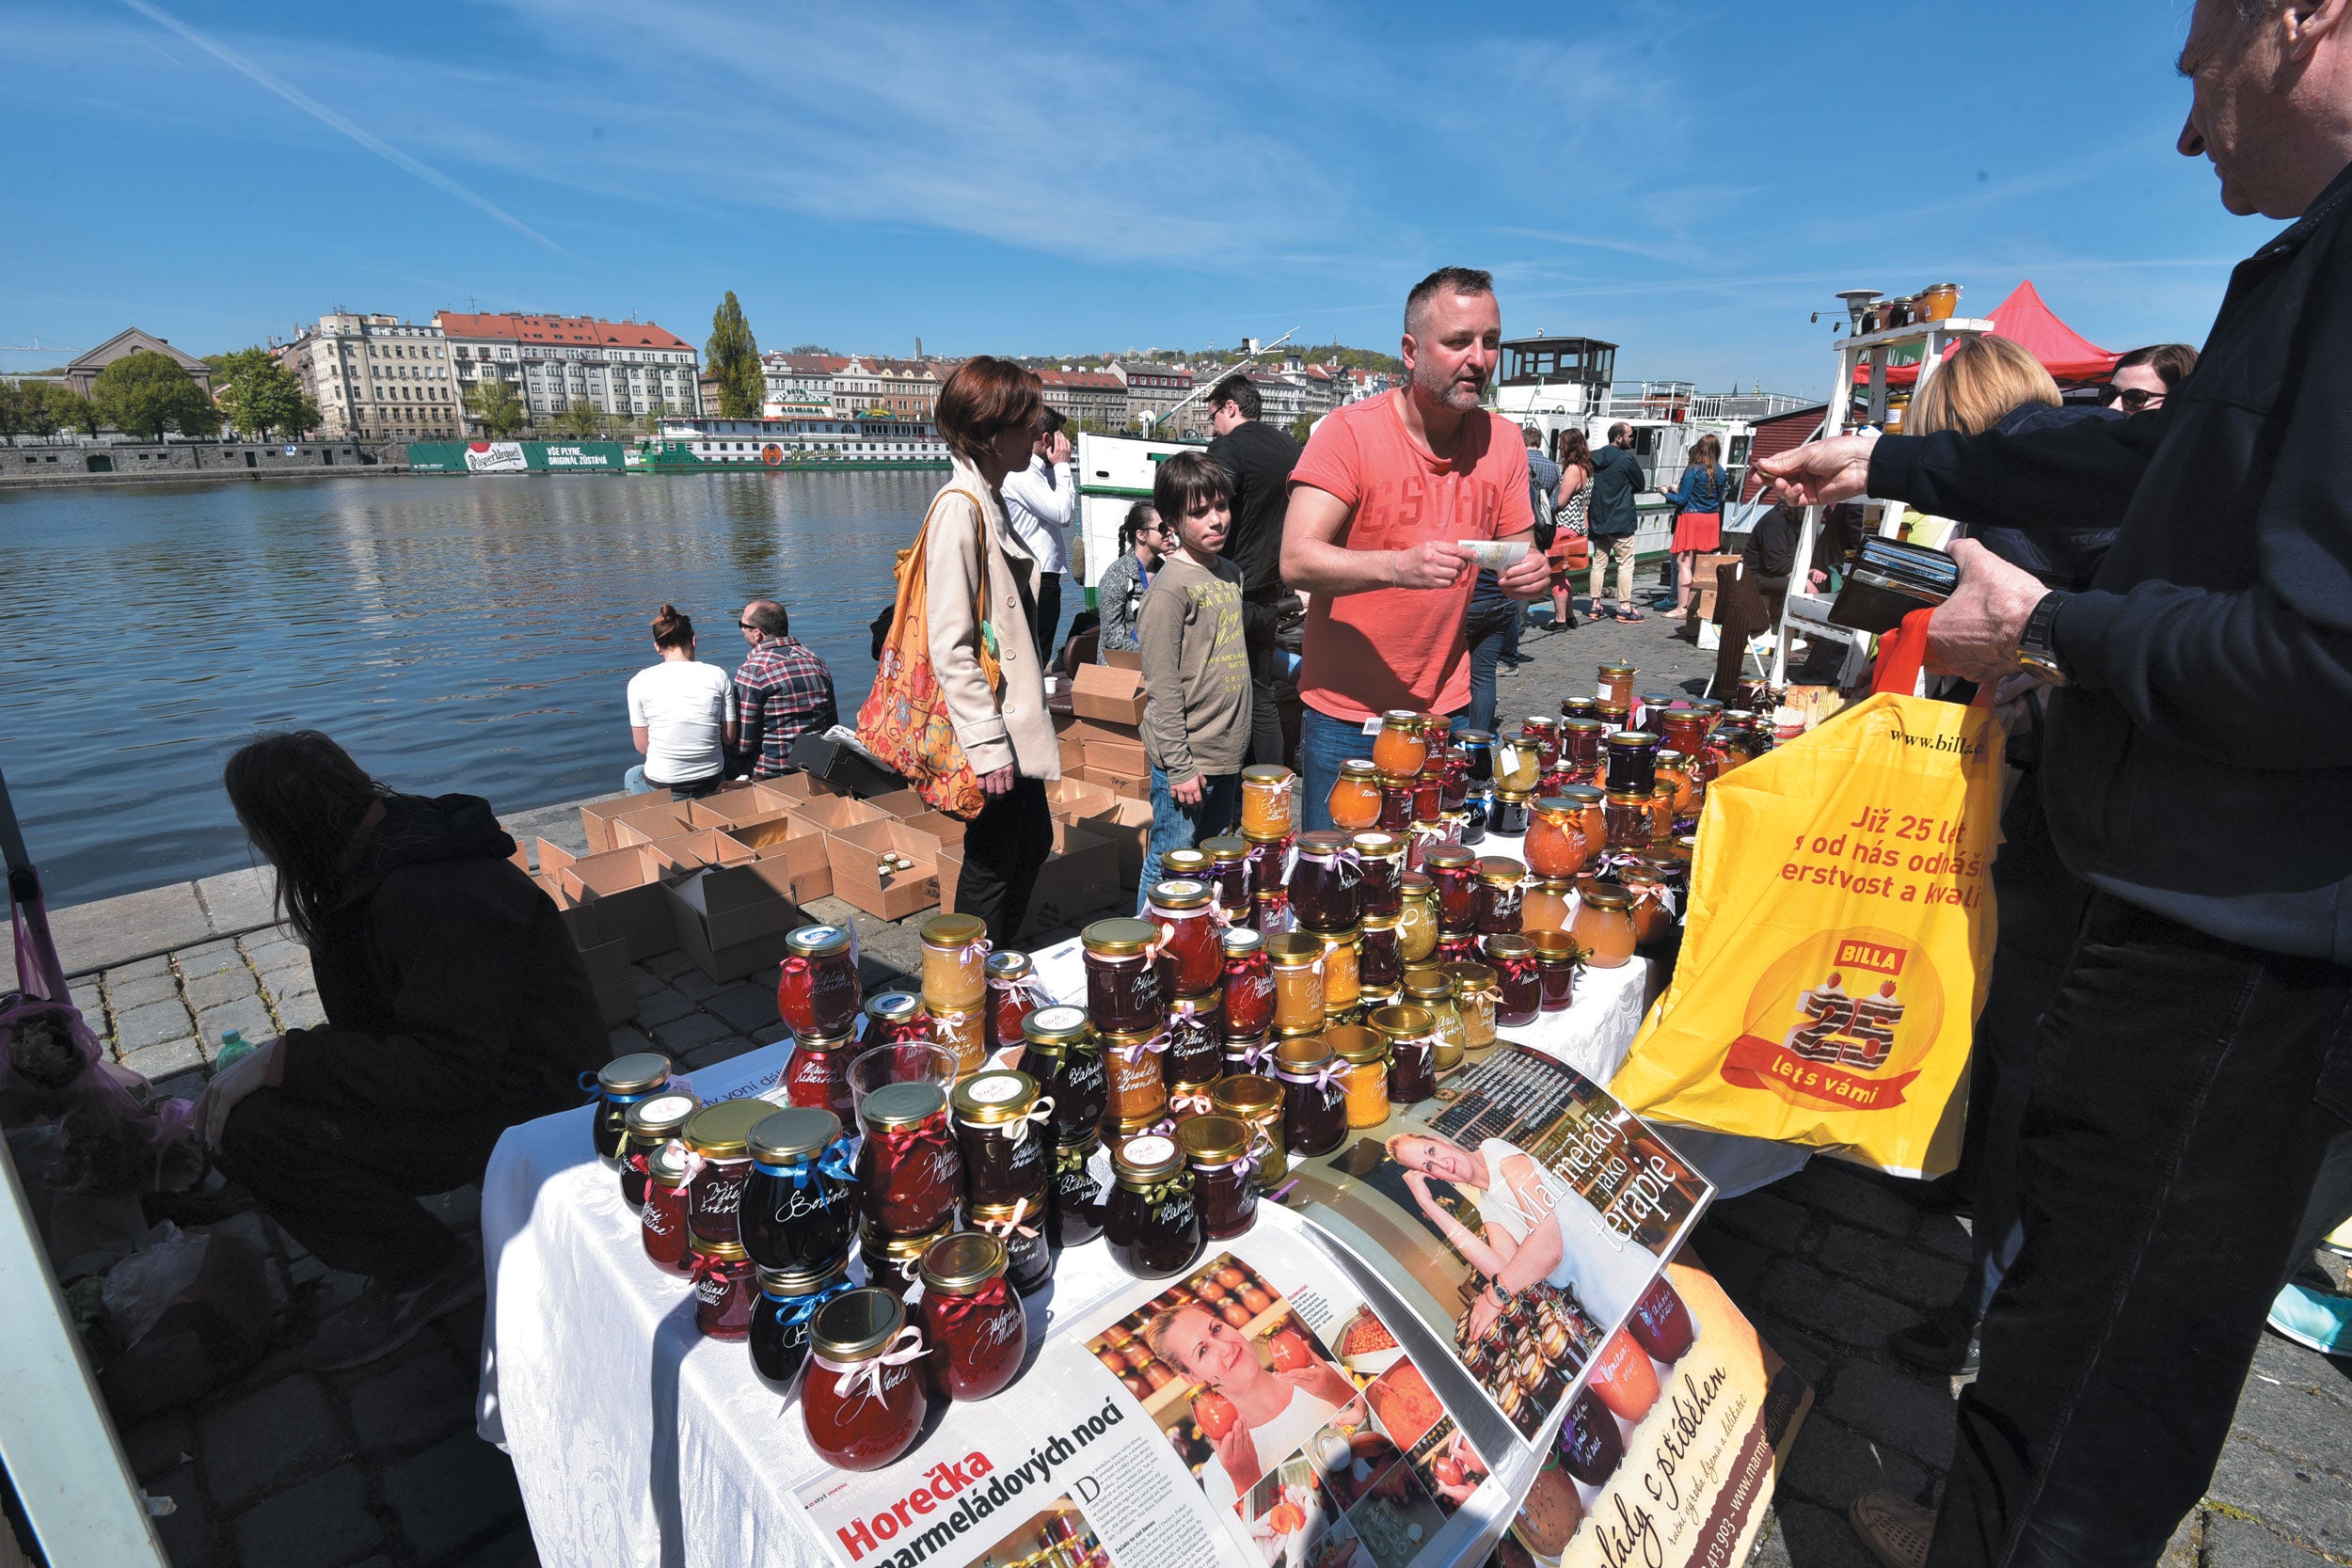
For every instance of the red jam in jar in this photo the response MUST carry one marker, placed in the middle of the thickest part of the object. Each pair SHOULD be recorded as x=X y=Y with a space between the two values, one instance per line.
x=1003 y=1128
x=1556 y=963
x=1661 y=1325
x=1380 y=859
x=724 y=1283
x=909 y=1173
x=652 y=1123
x=1411 y=1032
x=818 y=992
x=818 y=1073
x=1495 y=895
x=1190 y=959
x=1013 y=993
x=1396 y=803
x=1229 y=874
x=895 y=1018
x=662 y=1223
x=787 y=1299
x=1314 y=1099
x=718 y=1137
x=863 y=1399
x=1216 y=1149
x=1152 y=1222
x=1380 y=959
x=799 y=1206
x=1246 y=1053
x=1271 y=915
x=1062 y=1052
x=1325 y=883
x=971 y=1317
x=1451 y=868
x=1073 y=1198
x=1021 y=1225
x=1519 y=981
x=621 y=1082
x=1196 y=1038
x=1122 y=986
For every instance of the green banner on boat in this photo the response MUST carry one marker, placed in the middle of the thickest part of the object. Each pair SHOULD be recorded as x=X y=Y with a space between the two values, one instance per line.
x=514 y=457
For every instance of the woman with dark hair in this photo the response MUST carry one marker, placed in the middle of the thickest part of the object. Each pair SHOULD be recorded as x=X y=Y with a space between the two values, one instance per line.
x=982 y=591
x=1698 y=508
x=2143 y=378
x=681 y=715
x=1119 y=592
x=455 y=1007
x=1575 y=457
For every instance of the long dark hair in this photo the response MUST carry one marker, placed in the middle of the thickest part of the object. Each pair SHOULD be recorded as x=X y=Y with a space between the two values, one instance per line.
x=300 y=798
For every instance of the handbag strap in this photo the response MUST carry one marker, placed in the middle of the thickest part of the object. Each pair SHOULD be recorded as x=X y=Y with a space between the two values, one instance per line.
x=1903 y=653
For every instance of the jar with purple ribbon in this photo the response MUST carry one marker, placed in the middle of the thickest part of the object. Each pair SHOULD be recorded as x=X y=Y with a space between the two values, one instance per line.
x=1381 y=857
x=799 y=1202
x=1325 y=885
x=1196 y=1038
x=1218 y=1149
x=1315 y=1102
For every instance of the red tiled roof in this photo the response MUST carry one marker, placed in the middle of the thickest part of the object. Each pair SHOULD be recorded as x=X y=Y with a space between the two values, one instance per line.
x=558 y=330
x=807 y=364
x=1085 y=380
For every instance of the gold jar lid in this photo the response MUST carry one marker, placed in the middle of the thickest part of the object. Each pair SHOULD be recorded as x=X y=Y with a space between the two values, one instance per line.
x=1618 y=668
x=1293 y=949
x=991 y=1098
x=1212 y=1139
x=1265 y=773
x=725 y=1252
x=1359 y=768
x=1008 y=966
x=953 y=930
x=1052 y=1029
x=1239 y=940
x=1607 y=895
x=1428 y=982
x=1583 y=795
x=1379 y=996
x=1401 y=719
x=1119 y=1129
x=1378 y=846
x=1247 y=1095
x=1118 y=1041
x=805 y=1280
x=1562 y=886
x=1346 y=936
x=1509 y=945
x=1539 y=724
x=1208 y=1000
x=1580 y=726
x=723 y=1131
x=1141 y=1160
x=1356 y=1044
x=1224 y=849
x=1630 y=797
x=962 y=1261
x=1501 y=871
x=1555 y=945
x=901 y=1104
x=1381 y=922
x=665 y=1164
x=884 y=1253
x=1304 y=1031
x=841 y=1041
x=1179 y=893
x=1514 y=797
x=985 y=1216
x=1450 y=857
x=1399 y=781
x=818 y=942
x=1302 y=1052
x=1184 y=866
x=1632 y=741
x=1079 y=1141
x=856 y=1324
x=1321 y=841
x=661 y=1115
x=1262 y=839
x=894 y=1007
x=1118 y=938
x=1555 y=805
x=1402 y=1023
x=639 y=1072
x=1469 y=979
x=792 y=1134
x=1420 y=884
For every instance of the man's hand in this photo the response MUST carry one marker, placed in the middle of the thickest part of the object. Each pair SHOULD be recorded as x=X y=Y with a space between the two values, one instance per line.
x=998 y=783
x=1431 y=563
x=1187 y=792
x=1060 y=452
x=1822 y=473
x=1975 y=633
x=1530 y=577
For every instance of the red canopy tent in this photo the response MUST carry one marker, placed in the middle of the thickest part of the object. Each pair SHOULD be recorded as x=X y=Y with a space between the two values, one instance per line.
x=2024 y=320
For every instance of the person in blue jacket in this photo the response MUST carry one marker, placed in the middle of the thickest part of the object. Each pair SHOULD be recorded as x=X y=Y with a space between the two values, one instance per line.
x=1698 y=513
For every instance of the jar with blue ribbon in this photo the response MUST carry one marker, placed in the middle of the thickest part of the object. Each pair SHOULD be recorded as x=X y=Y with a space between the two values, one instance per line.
x=787 y=1299
x=618 y=1084
x=799 y=1202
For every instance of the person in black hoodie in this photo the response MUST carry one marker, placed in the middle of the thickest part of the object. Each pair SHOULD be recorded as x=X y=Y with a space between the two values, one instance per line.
x=455 y=1007
x=2196 y=1059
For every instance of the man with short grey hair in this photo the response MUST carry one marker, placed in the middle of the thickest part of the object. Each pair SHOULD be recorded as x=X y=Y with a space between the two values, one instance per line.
x=782 y=692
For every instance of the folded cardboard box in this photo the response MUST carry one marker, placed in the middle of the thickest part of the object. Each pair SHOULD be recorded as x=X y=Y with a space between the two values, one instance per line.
x=856 y=855
x=1079 y=878
x=1124 y=659
x=900 y=803
x=834 y=813
x=1124 y=757
x=729 y=920
x=1127 y=825
x=649 y=825
x=624 y=886
x=704 y=846
x=613 y=979
x=1107 y=692
x=791 y=853
x=736 y=804
x=1073 y=733
x=1068 y=797
x=1130 y=786
x=597 y=816
x=787 y=791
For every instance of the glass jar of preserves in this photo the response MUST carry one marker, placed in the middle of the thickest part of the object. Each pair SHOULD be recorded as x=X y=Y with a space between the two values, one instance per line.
x=1400 y=748
x=651 y=1123
x=1130 y=1061
x=1249 y=1053
x=1581 y=747
x=1450 y=868
x=1184 y=866
x=1661 y=815
x=910 y=1174
x=1518 y=762
x=1073 y=1198
x=1578 y=707
x=1229 y=874
x=863 y=1401
x=1511 y=813
x=724 y=1283
x=972 y=1320
x=1591 y=818
x=1429 y=792
x=1021 y=1225
x=1615 y=685
x=1218 y=1151
x=1353 y=802
x=1518 y=984
x=1455 y=789
x=1613 y=715
x=963 y=1032
x=621 y=1082
x=1296 y=958
x=1417 y=925
x=1476 y=990
x=787 y=1299
x=1555 y=844
x=1604 y=924
x=1255 y=1101
x=1014 y=993
x=1673 y=773
x=1269 y=801
x=1189 y=958
x=1364 y=1081
x=1196 y=1038
x=895 y=1018
x=1060 y=1051
x=1557 y=959
x=1683 y=729
x=818 y=991
x=662 y=1223
x=1325 y=883
x=1003 y=1126
x=1188 y=1100
x=718 y=1144
x=1314 y=1105
x=955 y=955
x=1477 y=748
x=1379 y=960
x=1380 y=864
x=1340 y=966
x=818 y=1072
x=1630 y=826
x=1411 y=1034
x=1495 y=895
x=1152 y=1221
x=1122 y=987
x=1542 y=732
x=1546 y=903
x=800 y=1203
x=1271 y=915
x=1654 y=894
x=1396 y=804
x=1633 y=763
x=1455 y=947
x=1249 y=986
x=892 y=1260
x=1117 y=1130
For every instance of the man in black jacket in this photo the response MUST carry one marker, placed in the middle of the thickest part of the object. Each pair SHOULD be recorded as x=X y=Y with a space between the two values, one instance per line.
x=2198 y=1054
x=1260 y=459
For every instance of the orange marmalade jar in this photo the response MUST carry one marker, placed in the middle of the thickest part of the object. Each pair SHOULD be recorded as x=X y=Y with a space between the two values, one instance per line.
x=1354 y=799
x=1604 y=924
x=1268 y=801
x=1545 y=904
x=1401 y=747
x=1555 y=844
x=1592 y=816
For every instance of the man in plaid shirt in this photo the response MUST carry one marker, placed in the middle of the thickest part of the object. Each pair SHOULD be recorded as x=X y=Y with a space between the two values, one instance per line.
x=782 y=692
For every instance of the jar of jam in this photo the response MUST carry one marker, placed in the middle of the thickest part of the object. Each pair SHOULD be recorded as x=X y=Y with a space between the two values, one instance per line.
x=963 y=1032
x=1228 y=875
x=1196 y=1038
x=780 y=1313
x=1341 y=967
x=910 y=1174
x=1546 y=903
x=1189 y=958
x=1631 y=827
x=1555 y=844
x=1355 y=799
x=1269 y=796
x=1417 y=926
x=1062 y=1052
x=1380 y=862
x=1188 y=1100
x=1495 y=895
x=1325 y=883
x=1363 y=1054
x=972 y=1320
x=1653 y=892
x=1476 y=990
x=1297 y=960
x=621 y=1082
x=955 y=955
x=1578 y=707
x=1509 y=817
x=1021 y=1225
x=651 y=1123
x=1477 y=749
x=1249 y=987
x=718 y=1142
x=1014 y=993
x=1074 y=1199
x=1002 y=1129
x=1314 y=1105
x=1594 y=822
x=1450 y=868
x=892 y=1260
x=1397 y=799
x=1122 y=987
x=1542 y=732
x=1217 y=1152
x=1255 y=1101
x=1152 y=1221
x=1581 y=747
x=818 y=991
x=1661 y=1324
x=1471 y=821
x=1590 y=1446
x=1138 y=1087
x=895 y=1018
x=724 y=1284
x=800 y=1203
x=1616 y=683
x=1272 y=914
x=1380 y=959
x=1603 y=926
x=1520 y=995
x=1409 y=1035
x=1401 y=747
x=1429 y=791
x=662 y=1223
x=1430 y=988
x=1518 y=761
x=1557 y=959
x=863 y=1400
x=1246 y=1053
x=1455 y=947
x=818 y=1072
x=1633 y=763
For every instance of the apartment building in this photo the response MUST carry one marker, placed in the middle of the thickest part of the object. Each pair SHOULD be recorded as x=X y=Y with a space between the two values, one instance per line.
x=903 y=388
x=1091 y=395
x=378 y=378
x=1153 y=388
x=799 y=383
x=622 y=367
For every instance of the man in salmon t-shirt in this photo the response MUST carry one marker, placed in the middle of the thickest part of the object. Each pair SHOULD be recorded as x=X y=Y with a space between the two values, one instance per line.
x=1381 y=502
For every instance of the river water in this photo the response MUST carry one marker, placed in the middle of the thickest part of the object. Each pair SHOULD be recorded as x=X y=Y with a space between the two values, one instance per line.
x=452 y=633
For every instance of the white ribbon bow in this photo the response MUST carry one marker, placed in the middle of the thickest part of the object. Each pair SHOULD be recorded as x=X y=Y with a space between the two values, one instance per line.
x=1017 y=1130
x=869 y=1372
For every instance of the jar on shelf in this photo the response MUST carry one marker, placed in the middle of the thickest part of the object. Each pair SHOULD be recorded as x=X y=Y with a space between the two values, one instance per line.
x=1495 y=895
x=862 y=1398
x=1364 y=1083
x=1633 y=763
x=1122 y=986
x=662 y=1222
x=1555 y=844
x=1604 y=924
x=621 y=1082
x=719 y=1139
x=1379 y=960
x=955 y=958
x=909 y=1173
x=1131 y=1062
x=1417 y=925
x=1400 y=747
x=1325 y=883
x=1196 y=1038
x=1353 y=802
x=1938 y=302
x=1476 y=990
x=1189 y=958
x=1296 y=958
x=1218 y=1153
x=1518 y=984
x=787 y=1299
x=800 y=1203
x=818 y=1072
x=818 y=991
x=1557 y=959
x=1060 y=1051
x=1410 y=1034
x=1255 y=1101
x=725 y=1281
x=651 y=1123
x=1014 y=993
x=1229 y=874
x=972 y=1320
x=1342 y=966
x=895 y=1018
x=1269 y=801
x=1314 y=1106
x=1073 y=1198
x=1003 y=1126
x=1615 y=685
x=1380 y=864
x=1152 y=1224
x=1511 y=813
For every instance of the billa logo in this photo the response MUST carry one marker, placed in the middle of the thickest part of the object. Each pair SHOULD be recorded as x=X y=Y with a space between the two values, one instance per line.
x=1869 y=954
x=1836 y=1022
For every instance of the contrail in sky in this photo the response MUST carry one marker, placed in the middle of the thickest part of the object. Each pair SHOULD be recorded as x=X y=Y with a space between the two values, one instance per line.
x=320 y=112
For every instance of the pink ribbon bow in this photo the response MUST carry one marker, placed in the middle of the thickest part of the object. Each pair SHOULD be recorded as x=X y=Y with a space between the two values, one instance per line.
x=905 y=1346
x=1197 y=1103
x=1011 y=1226
x=1134 y=1049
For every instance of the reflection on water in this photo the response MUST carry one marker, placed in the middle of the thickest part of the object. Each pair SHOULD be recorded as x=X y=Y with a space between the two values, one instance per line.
x=454 y=634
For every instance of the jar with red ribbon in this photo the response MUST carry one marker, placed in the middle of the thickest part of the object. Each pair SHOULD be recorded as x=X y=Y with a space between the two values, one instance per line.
x=1429 y=792
x=818 y=991
x=1122 y=986
x=662 y=1223
x=1455 y=947
x=1450 y=868
x=909 y=1172
x=973 y=1319
x=1249 y=986
x=1427 y=834
x=1218 y=1151
x=1454 y=793
x=1396 y=803
x=1380 y=862
x=863 y=1399
x=1520 y=987
x=1196 y=1038
x=1014 y=993
x=1189 y=958
x=1557 y=959
x=1495 y=895
x=895 y=1018
x=725 y=1282
x=1022 y=1226
x=1229 y=874
x=1272 y=916
x=1325 y=883
x=817 y=1074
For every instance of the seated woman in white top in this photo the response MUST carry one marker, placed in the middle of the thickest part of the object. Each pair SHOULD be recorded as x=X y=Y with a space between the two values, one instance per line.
x=681 y=714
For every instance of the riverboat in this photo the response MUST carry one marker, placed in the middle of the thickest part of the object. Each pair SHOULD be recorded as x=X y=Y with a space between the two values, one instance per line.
x=787 y=444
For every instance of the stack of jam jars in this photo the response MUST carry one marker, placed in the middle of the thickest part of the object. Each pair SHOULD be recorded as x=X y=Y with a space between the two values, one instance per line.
x=819 y=995
x=955 y=986
x=1005 y=1131
x=910 y=1174
x=1126 y=1003
x=1269 y=825
x=1191 y=963
x=1327 y=891
x=799 y=1218
x=1064 y=1058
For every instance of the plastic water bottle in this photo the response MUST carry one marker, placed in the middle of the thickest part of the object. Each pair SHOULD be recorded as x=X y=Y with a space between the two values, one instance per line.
x=233 y=1045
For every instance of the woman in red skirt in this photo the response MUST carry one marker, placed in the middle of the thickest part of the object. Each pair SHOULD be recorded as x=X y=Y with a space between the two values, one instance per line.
x=1698 y=513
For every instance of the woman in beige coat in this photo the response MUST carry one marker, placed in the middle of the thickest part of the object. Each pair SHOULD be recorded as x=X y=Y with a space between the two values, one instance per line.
x=987 y=414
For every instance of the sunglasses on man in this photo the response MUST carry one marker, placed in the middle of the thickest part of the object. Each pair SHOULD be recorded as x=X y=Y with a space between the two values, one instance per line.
x=2134 y=399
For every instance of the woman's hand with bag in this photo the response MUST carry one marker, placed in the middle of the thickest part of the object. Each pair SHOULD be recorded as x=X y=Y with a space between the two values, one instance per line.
x=998 y=782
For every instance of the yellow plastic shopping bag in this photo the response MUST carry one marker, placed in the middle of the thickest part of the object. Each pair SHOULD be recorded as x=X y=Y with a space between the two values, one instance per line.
x=1839 y=938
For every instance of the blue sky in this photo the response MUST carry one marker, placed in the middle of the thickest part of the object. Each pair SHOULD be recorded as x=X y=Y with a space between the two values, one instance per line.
x=1690 y=180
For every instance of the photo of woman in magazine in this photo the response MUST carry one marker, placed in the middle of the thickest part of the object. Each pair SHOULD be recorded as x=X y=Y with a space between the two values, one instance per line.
x=1258 y=1404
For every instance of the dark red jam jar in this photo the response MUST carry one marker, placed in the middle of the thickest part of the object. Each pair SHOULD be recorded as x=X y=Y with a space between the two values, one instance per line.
x=1590 y=1446
x=1196 y=1038
x=1002 y=1129
x=1661 y=1325
x=863 y=1396
x=1269 y=863
x=1023 y=1226
x=1411 y=1034
x=1248 y=983
x=1123 y=985
x=1190 y=959
x=1326 y=885
x=662 y=1223
x=1557 y=959
x=895 y=1018
x=817 y=1074
x=1451 y=868
x=1519 y=982
x=621 y=1082
x=910 y=1174
x=818 y=991
x=1396 y=803
x=1013 y=993
x=971 y=1318
x=1380 y=961
x=1229 y=874
x=1061 y=1052
x=1217 y=1150
x=1073 y=1198
x=1271 y=915
x=1380 y=860
x=1455 y=947
x=652 y=1122
x=1152 y=1222
x=718 y=1137
x=1314 y=1100
x=1495 y=895
x=1248 y=1053
x=787 y=1299
x=724 y=1283
x=800 y=1204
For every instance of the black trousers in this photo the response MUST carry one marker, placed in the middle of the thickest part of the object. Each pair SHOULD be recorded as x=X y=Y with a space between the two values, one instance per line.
x=2170 y=1143
x=1002 y=850
x=345 y=1185
x=1048 y=621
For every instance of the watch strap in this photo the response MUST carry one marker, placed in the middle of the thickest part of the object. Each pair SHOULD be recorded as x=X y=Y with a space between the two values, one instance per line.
x=2037 y=647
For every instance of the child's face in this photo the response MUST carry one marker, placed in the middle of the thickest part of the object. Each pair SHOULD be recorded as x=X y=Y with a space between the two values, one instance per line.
x=1204 y=525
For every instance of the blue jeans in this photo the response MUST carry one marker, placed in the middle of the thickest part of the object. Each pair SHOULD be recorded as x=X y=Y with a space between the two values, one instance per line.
x=1324 y=743
x=1175 y=826
x=634 y=781
x=1492 y=628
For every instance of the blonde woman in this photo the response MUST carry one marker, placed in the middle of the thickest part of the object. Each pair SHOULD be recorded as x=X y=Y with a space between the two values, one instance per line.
x=1981 y=382
x=1698 y=508
x=1278 y=1411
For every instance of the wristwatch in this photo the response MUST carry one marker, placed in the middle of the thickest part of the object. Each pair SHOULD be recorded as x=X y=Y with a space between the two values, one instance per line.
x=2036 y=649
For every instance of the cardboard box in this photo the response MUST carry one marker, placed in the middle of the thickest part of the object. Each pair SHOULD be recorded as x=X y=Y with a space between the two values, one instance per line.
x=613 y=980
x=948 y=830
x=624 y=886
x=648 y=825
x=855 y=853
x=578 y=919
x=1078 y=878
x=843 y=767
x=729 y=920
x=837 y=813
x=1124 y=757
x=597 y=817
x=734 y=805
x=704 y=846
x=1066 y=798
x=790 y=854
x=1073 y=733
x=1107 y=692
x=1124 y=659
x=790 y=791
x=1127 y=826
x=1128 y=787
x=904 y=804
